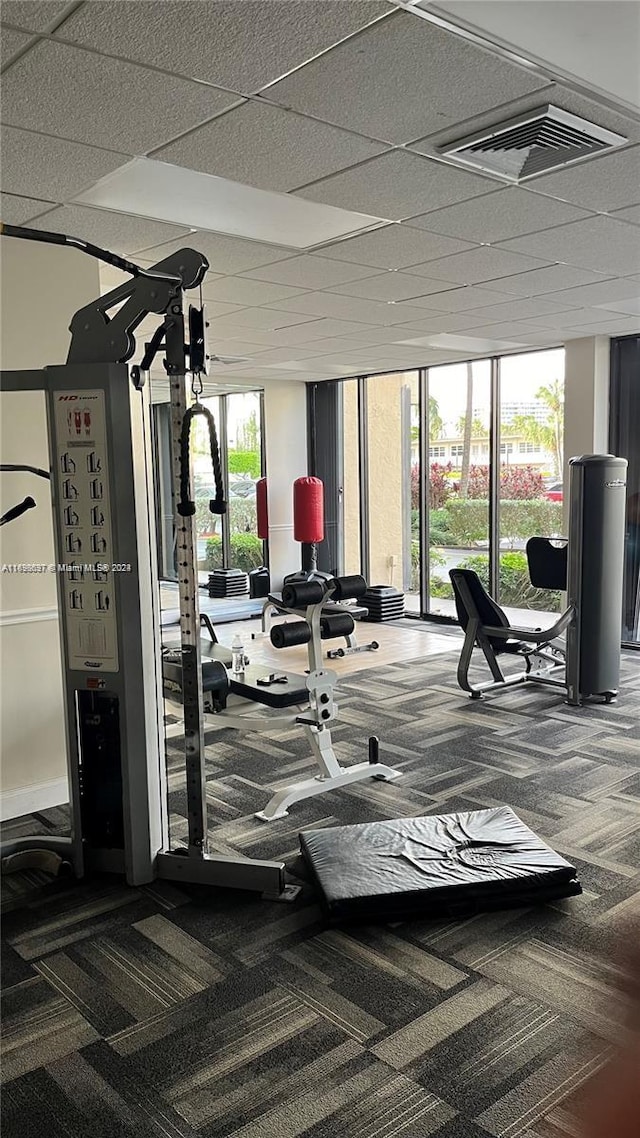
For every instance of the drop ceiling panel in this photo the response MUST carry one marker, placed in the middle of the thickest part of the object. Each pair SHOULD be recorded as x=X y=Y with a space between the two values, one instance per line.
x=262 y=145
x=511 y=212
x=438 y=322
x=245 y=292
x=34 y=16
x=539 y=282
x=311 y=272
x=367 y=332
x=287 y=355
x=606 y=183
x=477 y=266
x=632 y=214
x=115 y=231
x=397 y=185
x=394 y=247
x=51 y=168
x=401 y=79
x=568 y=319
x=241 y=46
x=521 y=310
x=226 y=255
x=598 y=243
x=452 y=300
x=17 y=210
x=351 y=308
x=627 y=326
x=75 y=94
x=265 y=318
x=11 y=43
x=630 y=307
x=595 y=294
x=390 y=286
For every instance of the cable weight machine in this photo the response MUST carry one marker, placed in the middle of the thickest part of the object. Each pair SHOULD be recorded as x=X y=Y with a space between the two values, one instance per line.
x=98 y=415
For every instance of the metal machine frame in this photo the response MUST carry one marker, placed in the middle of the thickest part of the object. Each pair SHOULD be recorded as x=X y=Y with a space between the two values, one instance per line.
x=113 y=697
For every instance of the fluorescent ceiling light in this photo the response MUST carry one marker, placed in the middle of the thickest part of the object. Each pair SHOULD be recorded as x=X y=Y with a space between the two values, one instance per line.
x=157 y=190
x=470 y=343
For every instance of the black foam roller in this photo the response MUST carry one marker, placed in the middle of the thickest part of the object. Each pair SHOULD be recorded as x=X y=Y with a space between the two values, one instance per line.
x=339 y=624
x=286 y=635
x=348 y=588
x=299 y=595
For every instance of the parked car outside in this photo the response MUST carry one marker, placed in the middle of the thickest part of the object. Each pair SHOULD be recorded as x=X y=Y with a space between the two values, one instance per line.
x=554 y=492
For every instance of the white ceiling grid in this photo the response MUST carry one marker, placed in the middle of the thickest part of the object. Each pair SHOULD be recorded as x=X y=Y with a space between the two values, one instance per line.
x=344 y=104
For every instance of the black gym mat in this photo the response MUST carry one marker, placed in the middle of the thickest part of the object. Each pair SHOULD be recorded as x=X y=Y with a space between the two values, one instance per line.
x=447 y=864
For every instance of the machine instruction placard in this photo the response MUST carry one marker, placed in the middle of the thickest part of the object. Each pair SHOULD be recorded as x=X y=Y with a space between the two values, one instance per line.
x=82 y=478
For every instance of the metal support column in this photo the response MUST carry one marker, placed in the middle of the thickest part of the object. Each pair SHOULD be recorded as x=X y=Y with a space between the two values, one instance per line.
x=223 y=446
x=363 y=471
x=424 y=492
x=494 y=482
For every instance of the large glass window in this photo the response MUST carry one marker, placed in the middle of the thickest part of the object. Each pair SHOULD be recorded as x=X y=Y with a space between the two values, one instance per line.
x=350 y=490
x=244 y=464
x=459 y=415
x=531 y=470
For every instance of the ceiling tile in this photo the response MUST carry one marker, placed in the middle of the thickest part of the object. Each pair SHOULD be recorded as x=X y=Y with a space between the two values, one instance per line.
x=630 y=307
x=401 y=79
x=525 y=309
x=501 y=331
x=606 y=183
x=397 y=185
x=614 y=326
x=33 y=15
x=631 y=214
x=310 y=272
x=555 y=94
x=351 y=308
x=566 y=319
x=220 y=347
x=216 y=308
x=597 y=293
x=76 y=94
x=11 y=43
x=394 y=247
x=539 y=282
x=248 y=293
x=438 y=322
x=265 y=318
x=496 y=216
x=241 y=46
x=598 y=243
x=390 y=286
x=368 y=332
x=284 y=355
x=452 y=300
x=17 y=210
x=477 y=265
x=116 y=231
x=51 y=168
x=226 y=255
x=265 y=146
x=330 y=345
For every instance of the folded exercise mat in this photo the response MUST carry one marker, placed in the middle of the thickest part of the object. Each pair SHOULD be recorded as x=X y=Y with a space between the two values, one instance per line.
x=445 y=864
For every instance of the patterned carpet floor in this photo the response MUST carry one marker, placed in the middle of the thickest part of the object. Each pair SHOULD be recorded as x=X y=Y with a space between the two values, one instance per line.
x=170 y=1013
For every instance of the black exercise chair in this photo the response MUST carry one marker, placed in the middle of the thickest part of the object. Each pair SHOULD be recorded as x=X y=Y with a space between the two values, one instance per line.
x=487 y=627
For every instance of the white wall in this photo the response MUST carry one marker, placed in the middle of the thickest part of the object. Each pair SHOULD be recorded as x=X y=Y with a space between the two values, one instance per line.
x=285 y=433
x=41 y=288
x=586 y=401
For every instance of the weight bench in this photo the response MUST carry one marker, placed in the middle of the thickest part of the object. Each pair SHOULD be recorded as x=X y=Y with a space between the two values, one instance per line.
x=487 y=627
x=452 y=865
x=337 y=619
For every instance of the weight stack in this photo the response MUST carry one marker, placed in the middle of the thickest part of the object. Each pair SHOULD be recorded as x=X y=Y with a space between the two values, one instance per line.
x=383 y=602
x=259 y=582
x=228 y=583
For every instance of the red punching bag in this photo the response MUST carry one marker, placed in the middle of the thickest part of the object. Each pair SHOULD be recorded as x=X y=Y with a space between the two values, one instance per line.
x=262 y=509
x=308 y=510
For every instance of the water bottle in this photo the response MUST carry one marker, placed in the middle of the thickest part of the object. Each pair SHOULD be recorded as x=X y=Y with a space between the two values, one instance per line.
x=237 y=655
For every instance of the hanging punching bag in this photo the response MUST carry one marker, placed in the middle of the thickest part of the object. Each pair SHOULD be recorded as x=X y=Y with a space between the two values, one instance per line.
x=262 y=509
x=308 y=510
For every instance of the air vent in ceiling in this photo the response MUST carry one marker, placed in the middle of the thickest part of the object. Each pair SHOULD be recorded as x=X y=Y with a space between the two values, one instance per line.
x=532 y=144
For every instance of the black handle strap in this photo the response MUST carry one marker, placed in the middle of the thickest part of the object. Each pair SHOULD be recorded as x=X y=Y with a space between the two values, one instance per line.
x=17 y=511
x=186 y=506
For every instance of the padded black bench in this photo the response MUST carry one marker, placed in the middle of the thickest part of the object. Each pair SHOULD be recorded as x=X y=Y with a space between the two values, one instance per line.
x=440 y=865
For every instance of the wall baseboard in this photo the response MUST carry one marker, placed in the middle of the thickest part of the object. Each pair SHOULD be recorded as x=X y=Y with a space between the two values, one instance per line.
x=30 y=799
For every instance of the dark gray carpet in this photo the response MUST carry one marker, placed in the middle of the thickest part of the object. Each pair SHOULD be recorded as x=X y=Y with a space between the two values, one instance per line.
x=202 y=1014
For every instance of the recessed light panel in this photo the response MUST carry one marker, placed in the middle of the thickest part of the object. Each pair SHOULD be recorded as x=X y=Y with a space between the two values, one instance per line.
x=158 y=190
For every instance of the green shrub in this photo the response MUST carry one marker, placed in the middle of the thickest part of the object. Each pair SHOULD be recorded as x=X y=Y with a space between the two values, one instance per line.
x=515 y=586
x=468 y=520
x=247 y=462
x=246 y=552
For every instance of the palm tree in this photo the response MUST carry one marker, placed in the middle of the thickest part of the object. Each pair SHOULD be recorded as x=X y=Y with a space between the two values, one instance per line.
x=549 y=434
x=436 y=425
